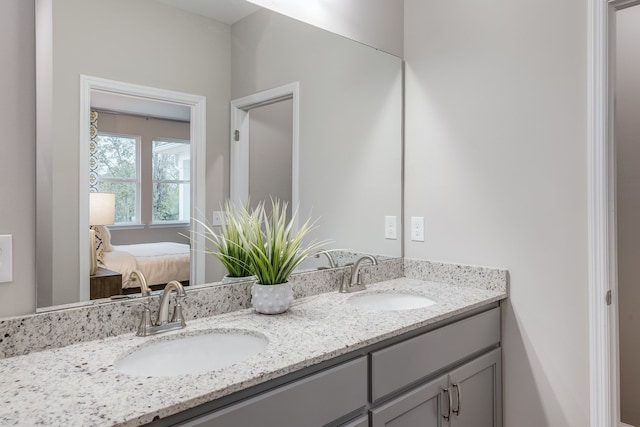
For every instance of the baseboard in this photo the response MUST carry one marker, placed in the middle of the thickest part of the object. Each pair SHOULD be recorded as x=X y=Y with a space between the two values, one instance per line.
x=625 y=425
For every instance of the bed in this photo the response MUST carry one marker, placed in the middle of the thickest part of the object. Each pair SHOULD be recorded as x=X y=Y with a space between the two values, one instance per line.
x=160 y=262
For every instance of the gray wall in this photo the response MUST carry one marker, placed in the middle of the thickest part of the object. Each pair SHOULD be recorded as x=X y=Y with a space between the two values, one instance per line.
x=496 y=162
x=270 y=152
x=496 y=140
x=627 y=131
x=350 y=119
x=18 y=164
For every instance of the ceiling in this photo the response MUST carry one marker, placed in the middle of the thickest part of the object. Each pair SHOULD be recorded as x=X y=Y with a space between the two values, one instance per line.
x=227 y=11
x=140 y=106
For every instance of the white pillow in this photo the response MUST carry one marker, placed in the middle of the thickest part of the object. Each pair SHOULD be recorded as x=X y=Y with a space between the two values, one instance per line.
x=104 y=235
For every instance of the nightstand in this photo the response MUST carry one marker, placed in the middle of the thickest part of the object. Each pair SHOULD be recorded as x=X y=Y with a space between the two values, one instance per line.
x=105 y=283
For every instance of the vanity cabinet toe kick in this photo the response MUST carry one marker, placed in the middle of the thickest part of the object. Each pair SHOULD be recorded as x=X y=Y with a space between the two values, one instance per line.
x=447 y=375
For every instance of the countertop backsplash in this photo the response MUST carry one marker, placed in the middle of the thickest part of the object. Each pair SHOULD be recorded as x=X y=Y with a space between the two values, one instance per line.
x=492 y=279
x=79 y=323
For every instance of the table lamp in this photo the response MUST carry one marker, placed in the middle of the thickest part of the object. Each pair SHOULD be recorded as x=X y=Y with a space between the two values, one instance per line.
x=102 y=209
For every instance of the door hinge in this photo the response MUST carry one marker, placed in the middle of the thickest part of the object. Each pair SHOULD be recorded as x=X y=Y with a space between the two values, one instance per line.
x=236 y=135
x=608 y=297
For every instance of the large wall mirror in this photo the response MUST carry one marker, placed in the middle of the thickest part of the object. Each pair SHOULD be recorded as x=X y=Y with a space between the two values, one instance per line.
x=349 y=123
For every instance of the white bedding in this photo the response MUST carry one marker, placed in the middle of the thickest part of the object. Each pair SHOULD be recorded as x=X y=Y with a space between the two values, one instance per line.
x=160 y=262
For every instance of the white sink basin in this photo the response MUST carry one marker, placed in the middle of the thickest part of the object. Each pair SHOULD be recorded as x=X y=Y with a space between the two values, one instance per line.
x=193 y=354
x=390 y=301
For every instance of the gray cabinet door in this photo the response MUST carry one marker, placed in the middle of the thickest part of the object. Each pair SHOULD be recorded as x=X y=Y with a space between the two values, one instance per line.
x=476 y=399
x=422 y=406
x=476 y=391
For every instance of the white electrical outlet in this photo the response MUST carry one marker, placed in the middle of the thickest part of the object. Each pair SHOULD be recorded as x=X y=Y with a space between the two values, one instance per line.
x=417 y=228
x=219 y=218
x=6 y=258
x=390 y=227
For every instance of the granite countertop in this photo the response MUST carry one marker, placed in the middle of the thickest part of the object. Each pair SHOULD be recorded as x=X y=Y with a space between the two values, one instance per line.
x=77 y=385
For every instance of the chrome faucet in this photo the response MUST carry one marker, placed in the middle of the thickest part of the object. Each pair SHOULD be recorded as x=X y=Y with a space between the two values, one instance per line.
x=353 y=282
x=163 y=311
x=137 y=276
x=327 y=253
x=162 y=323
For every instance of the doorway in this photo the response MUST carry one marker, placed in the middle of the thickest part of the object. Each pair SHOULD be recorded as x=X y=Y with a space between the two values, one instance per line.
x=264 y=146
x=627 y=147
x=195 y=105
x=270 y=144
x=602 y=228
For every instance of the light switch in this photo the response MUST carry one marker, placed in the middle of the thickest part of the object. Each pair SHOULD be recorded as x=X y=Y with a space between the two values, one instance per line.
x=417 y=228
x=219 y=218
x=390 y=226
x=6 y=258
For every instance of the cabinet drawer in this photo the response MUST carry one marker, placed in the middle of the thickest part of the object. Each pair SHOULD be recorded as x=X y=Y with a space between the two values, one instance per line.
x=313 y=401
x=362 y=421
x=402 y=364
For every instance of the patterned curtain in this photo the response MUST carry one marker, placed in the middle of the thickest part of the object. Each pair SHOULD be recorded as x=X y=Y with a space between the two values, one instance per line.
x=93 y=146
x=100 y=230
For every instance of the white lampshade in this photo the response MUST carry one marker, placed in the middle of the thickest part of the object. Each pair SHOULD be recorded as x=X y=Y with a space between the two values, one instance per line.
x=102 y=208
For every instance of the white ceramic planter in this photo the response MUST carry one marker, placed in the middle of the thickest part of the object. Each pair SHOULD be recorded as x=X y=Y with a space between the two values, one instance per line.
x=271 y=299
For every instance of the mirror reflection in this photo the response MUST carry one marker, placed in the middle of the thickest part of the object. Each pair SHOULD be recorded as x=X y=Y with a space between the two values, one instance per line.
x=145 y=162
x=344 y=168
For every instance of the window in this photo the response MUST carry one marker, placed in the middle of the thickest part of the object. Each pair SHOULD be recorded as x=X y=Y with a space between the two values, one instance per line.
x=119 y=172
x=152 y=184
x=171 y=172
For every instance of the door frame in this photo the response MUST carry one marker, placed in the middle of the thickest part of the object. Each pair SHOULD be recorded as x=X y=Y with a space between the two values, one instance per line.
x=604 y=399
x=239 y=148
x=197 y=128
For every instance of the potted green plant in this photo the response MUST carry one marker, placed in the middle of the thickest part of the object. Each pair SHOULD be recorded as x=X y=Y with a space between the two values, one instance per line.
x=274 y=249
x=229 y=243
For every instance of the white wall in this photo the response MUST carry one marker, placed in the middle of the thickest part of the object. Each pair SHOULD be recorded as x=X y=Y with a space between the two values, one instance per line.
x=18 y=164
x=627 y=131
x=142 y=42
x=350 y=153
x=376 y=23
x=496 y=163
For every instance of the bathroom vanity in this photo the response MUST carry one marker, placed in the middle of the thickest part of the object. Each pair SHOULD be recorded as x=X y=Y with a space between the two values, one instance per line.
x=328 y=361
x=420 y=378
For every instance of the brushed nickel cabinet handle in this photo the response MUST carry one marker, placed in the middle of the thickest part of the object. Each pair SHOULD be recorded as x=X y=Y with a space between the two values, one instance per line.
x=459 y=394
x=447 y=416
